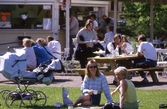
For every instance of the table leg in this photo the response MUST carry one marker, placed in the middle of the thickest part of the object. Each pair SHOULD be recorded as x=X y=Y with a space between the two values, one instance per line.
x=154 y=77
x=113 y=65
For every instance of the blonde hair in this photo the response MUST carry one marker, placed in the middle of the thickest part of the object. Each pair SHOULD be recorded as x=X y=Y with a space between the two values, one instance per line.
x=27 y=42
x=87 y=72
x=122 y=70
x=41 y=41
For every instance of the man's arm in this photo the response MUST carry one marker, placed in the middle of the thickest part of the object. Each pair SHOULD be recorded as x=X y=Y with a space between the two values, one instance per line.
x=139 y=54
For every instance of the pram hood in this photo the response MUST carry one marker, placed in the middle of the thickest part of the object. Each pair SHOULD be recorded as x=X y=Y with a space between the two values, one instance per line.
x=13 y=64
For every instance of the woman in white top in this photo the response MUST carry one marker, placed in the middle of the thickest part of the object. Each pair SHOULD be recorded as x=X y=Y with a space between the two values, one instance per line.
x=30 y=54
x=126 y=45
x=114 y=46
x=54 y=46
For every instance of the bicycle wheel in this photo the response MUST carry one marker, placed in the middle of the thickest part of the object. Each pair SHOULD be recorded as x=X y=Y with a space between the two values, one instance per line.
x=38 y=99
x=13 y=99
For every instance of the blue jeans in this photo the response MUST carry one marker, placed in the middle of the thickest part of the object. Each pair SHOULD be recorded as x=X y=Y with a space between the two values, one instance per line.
x=144 y=63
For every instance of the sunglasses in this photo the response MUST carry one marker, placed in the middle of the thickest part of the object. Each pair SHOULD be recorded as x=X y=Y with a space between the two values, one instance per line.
x=92 y=66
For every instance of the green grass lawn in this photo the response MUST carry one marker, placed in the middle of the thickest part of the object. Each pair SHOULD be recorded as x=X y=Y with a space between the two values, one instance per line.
x=149 y=99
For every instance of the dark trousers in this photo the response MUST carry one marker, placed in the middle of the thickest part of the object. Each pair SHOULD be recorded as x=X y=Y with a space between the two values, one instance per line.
x=83 y=58
x=95 y=99
x=144 y=63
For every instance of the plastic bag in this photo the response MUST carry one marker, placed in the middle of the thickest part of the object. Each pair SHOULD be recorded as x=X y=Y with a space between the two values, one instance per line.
x=66 y=99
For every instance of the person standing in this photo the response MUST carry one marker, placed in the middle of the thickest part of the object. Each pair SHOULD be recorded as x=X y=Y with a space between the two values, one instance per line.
x=95 y=23
x=74 y=28
x=149 y=56
x=54 y=46
x=109 y=36
x=106 y=22
x=89 y=35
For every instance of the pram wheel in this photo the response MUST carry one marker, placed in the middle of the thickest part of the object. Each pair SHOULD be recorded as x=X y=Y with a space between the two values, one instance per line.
x=38 y=99
x=13 y=99
x=3 y=93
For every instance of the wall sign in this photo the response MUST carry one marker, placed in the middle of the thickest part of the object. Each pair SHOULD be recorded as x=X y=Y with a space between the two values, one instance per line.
x=5 y=16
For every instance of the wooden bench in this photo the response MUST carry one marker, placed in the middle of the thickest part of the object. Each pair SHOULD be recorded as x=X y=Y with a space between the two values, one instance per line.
x=150 y=69
x=106 y=72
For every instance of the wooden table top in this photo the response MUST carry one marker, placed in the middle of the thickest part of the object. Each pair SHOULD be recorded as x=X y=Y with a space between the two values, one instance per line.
x=111 y=58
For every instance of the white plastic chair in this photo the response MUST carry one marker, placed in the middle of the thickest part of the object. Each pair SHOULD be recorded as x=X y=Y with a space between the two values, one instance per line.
x=160 y=61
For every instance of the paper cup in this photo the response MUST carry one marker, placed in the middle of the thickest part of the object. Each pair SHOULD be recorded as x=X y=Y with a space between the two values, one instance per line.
x=95 y=92
x=70 y=107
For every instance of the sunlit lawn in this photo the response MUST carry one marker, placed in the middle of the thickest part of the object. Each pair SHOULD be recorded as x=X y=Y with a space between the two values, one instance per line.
x=149 y=99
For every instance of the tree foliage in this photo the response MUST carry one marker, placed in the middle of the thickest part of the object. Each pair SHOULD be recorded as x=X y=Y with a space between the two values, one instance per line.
x=137 y=16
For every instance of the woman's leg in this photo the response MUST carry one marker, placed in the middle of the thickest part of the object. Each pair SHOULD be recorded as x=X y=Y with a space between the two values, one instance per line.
x=83 y=99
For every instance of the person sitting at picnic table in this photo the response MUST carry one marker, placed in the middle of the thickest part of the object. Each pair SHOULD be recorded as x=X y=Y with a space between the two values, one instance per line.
x=93 y=85
x=128 y=96
x=126 y=45
x=148 y=55
x=115 y=45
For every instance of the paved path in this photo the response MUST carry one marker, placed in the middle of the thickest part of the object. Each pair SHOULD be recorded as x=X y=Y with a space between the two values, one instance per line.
x=75 y=81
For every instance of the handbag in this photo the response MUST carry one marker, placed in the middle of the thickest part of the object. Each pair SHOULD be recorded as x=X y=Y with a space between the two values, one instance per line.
x=55 y=65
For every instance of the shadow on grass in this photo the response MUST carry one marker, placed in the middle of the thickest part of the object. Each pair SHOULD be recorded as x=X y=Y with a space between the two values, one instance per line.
x=55 y=81
x=149 y=84
x=63 y=107
x=61 y=80
x=45 y=107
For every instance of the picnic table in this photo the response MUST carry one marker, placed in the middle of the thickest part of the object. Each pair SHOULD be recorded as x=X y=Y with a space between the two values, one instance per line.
x=112 y=60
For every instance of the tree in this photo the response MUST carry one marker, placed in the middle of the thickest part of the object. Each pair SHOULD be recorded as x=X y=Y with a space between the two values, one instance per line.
x=137 y=16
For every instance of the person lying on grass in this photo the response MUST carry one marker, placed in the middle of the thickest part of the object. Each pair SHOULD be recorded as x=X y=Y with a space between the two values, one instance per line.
x=93 y=85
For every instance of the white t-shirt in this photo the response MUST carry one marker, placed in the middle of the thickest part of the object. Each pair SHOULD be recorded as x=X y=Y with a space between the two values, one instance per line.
x=110 y=47
x=95 y=24
x=55 y=48
x=129 y=47
x=148 y=50
x=30 y=57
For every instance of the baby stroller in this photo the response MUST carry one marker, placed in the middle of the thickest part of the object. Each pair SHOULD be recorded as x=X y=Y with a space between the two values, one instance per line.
x=13 y=67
